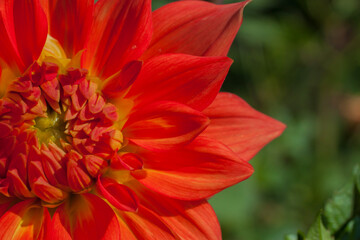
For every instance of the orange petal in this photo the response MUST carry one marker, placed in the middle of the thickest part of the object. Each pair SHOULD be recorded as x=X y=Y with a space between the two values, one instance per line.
x=69 y=22
x=146 y=224
x=194 y=81
x=195 y=27
x=239 y=126
x=85 y=216
x=186 y=219
x=22 y=221
x=193 y=220
x=125 y=231
x=164 y=125
x=199 y=170
x=121 y=32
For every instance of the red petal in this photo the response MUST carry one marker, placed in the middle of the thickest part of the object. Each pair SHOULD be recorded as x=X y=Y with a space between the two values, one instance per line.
x=30 y=29
x=129 y=161
x=17 y=170
x=239 y=126
x=38 y=182
x=119 y=82
x=48 y=192
x=77 y=176
x=69 y=22
x=87 y=88
x=186 y=219
x=205 y=29
x=83 y=217
x=164 y=125
x=5 y=130
x=78 y=101
x=96 y=103
x=126 y=232
x=145 y=224
x=190 y=80
x=52 y=89
x=193 y=220
x=54 y=168
x=94 y=164
x=8 y=52
x=5 y=204
x=57 y=227
x=110 y=112
x=22 y=221
x=197 y=171
x=120 y=196
x=121 y=32
x=23 y=30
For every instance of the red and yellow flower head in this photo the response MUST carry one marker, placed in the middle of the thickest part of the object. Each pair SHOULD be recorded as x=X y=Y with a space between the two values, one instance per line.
x=111 y=121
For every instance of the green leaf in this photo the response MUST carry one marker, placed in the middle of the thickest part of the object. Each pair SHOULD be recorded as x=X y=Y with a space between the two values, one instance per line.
x=357 y=177
x=298 y=236
x=351 y=230
x=338 y=209
x=355 y=233
x=341 y=215
x=318 y=231
x=357 y=191
x=291 y=237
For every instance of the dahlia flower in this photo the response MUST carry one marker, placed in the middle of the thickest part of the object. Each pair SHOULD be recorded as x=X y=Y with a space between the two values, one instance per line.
x=111 y=121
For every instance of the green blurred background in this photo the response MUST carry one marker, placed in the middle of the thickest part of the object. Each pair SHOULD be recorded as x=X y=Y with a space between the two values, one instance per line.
x=297 y=61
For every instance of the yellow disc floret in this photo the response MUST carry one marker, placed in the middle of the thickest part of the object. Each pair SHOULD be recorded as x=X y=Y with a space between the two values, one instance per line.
x=50 y=128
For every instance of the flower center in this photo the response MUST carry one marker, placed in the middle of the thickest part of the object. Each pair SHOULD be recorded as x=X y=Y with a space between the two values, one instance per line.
x=57 y=134
x=50 y=128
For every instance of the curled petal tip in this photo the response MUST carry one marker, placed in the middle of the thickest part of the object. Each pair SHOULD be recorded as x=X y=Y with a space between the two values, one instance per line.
x=120 y=196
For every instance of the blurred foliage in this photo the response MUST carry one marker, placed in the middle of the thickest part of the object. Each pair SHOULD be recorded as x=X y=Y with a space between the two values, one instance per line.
x=297 y=61
x=340 y=219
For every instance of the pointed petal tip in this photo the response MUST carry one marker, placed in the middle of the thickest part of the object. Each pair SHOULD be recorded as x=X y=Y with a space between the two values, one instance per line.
x=237 y=10
x=239 y=5
x=175 y=32
x=195 y=81
x=246 y=2
x=280 y=127
x=276 y=127
x=236 y=124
